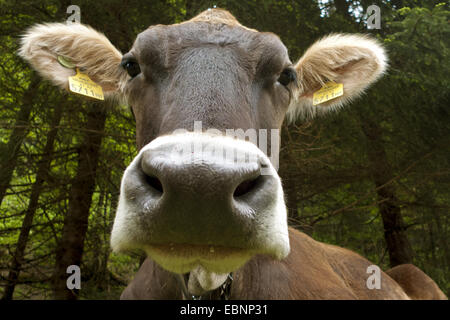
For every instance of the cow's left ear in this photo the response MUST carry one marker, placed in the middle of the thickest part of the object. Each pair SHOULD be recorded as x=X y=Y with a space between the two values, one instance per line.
x=355 y=61
x=48 y=47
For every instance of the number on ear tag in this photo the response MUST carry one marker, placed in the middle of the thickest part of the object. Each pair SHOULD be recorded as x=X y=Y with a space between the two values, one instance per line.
x=82 y=84
x=330 y=90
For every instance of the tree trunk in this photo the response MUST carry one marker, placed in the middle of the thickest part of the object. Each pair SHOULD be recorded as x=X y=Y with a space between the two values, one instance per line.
x=442 y=239
x=70 y=247
x=36 y=190
x=397 y=242
x=290 y=185
x=10 y=152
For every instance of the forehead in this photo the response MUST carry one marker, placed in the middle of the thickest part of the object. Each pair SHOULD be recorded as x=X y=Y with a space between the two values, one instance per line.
x=167 y=42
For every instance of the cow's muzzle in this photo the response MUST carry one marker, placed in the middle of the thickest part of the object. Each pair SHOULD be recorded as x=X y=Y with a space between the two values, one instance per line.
x=195 y=200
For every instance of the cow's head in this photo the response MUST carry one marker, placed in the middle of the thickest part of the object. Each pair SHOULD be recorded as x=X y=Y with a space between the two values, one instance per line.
x=184 y=199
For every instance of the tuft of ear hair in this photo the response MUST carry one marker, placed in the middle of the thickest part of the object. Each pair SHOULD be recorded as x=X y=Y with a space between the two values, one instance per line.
x=354 y=60
x=88 y=49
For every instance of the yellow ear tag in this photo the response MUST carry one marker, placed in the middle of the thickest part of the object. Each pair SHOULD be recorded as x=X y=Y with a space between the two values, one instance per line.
x=82 y=84
x=330 y=90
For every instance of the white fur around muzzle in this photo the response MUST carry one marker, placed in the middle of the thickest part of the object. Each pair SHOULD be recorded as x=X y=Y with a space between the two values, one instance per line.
x=271 y=224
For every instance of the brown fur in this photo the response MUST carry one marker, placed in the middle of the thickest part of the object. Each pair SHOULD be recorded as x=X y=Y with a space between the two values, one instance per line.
x=218 y=16
x=313 y=270
x=416 y=283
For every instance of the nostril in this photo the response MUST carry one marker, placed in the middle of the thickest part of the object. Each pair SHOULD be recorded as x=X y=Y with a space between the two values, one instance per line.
x=154 y=183
x=245 y=187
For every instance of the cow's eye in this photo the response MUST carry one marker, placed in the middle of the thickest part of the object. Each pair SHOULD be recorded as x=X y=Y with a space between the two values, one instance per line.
x=132 y=67
x=287 y=76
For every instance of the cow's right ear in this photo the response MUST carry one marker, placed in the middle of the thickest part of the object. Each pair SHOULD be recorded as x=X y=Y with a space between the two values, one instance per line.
x=43 y=45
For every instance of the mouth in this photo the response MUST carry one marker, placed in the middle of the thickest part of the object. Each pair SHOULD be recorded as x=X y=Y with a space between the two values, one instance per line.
x=182 y=258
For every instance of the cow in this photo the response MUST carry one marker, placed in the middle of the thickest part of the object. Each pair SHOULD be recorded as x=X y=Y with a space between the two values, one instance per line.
x=215 y=226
